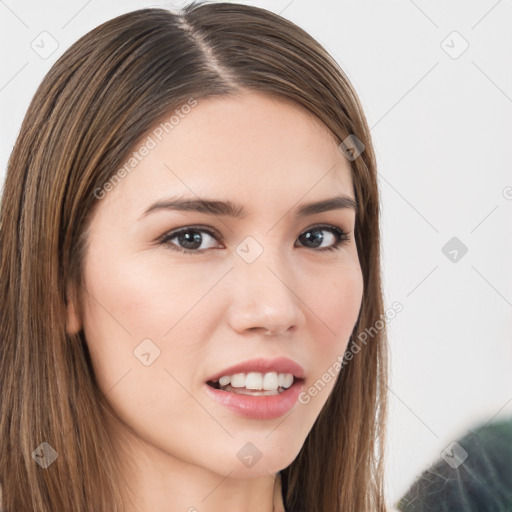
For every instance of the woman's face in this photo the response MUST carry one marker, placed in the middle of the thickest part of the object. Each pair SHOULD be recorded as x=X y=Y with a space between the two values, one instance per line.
x=160 y=322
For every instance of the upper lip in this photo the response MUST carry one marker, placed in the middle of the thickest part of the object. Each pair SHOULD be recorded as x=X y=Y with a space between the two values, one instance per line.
x=278 y=365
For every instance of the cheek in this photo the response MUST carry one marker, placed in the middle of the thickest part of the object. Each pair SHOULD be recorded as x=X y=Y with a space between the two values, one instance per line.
x=334 y=311
x=128 y=303
x=136 y=314
x=336 y=301
x=146 y=299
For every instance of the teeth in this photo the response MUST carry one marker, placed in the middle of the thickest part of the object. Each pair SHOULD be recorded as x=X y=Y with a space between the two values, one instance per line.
x=253 y=380
x=224 y=381
x=287 y=380
x=238 y=380
x=252 y=392
x=270 y=381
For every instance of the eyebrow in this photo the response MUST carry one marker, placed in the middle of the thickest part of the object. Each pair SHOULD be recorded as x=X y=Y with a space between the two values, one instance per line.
x=230 y=209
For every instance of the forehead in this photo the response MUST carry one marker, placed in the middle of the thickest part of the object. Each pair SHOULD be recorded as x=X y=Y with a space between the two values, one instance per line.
x=251 y=148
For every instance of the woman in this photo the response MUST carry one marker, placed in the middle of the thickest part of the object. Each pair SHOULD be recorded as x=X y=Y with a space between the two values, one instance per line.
x=192 y=316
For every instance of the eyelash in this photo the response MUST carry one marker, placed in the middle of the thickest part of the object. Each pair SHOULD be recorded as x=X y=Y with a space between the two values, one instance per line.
x=342 y=237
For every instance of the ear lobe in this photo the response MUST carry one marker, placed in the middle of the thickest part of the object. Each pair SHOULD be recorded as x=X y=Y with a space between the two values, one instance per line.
x=73 y=322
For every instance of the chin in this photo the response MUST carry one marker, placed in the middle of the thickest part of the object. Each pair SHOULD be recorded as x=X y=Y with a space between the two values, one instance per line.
x=258 y=458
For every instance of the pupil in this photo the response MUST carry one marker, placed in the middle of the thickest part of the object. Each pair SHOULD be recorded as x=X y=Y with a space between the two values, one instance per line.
x=191 y=241
x=316 y=238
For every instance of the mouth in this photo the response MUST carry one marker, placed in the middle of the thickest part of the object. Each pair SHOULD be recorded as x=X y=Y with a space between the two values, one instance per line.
x=255 y=383
x=259 y=388
x=241 y=399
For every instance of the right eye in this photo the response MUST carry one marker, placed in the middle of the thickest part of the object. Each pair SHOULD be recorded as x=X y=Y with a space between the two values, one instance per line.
x=190 y=238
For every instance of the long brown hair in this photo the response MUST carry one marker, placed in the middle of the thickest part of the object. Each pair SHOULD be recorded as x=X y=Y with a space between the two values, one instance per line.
x=97 y=100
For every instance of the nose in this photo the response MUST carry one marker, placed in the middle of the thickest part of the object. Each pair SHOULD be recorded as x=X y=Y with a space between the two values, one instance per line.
x=263 y=296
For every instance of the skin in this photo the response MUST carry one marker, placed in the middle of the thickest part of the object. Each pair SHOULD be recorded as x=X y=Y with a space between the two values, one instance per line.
x=271 y=156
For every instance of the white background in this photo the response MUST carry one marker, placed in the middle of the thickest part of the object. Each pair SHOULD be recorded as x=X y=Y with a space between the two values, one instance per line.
x=442 y=132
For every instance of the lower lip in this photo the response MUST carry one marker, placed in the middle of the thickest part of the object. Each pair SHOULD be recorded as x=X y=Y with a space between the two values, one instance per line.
x=258 y=407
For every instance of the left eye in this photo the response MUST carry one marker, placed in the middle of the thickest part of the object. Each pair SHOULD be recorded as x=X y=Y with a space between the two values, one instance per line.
x=189 y=239
x=338 y=234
